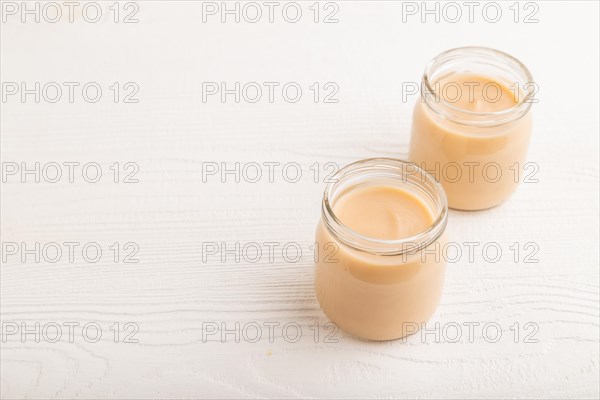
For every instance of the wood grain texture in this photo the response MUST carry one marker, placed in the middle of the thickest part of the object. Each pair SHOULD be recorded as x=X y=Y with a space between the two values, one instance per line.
x=175 y=295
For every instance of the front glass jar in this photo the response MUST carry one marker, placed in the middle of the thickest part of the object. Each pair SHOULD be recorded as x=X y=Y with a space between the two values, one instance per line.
x=471 y=126
x=374 y=288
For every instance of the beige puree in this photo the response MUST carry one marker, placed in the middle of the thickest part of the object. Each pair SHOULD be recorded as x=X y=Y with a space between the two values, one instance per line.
x=378 y=297
x=478 y=166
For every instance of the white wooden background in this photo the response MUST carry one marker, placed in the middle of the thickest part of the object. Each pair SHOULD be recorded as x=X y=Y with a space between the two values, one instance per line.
x=171 y=292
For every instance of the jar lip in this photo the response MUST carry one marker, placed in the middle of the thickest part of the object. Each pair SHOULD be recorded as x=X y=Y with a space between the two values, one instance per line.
x=498 y=117
x=376 y=246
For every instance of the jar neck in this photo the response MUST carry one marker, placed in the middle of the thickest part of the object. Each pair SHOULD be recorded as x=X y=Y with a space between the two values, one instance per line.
x=501 y=68
x=395 y=173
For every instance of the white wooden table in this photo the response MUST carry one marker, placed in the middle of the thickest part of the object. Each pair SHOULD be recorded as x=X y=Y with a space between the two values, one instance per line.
x=193 y=317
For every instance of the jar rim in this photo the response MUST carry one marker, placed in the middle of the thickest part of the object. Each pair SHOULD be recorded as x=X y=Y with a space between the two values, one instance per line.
x=493 y=118
x=387 y=247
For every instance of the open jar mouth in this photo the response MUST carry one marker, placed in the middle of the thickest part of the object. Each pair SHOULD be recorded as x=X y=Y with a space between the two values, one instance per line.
x=486 y=62
x=393 y=172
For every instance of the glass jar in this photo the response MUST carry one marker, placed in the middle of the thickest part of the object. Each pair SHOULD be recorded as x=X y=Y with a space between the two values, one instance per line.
x=380 y=289
x=471 y=127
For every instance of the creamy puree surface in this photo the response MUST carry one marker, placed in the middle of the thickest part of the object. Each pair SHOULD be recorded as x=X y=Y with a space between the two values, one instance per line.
x=379 y=297
x=478 y=166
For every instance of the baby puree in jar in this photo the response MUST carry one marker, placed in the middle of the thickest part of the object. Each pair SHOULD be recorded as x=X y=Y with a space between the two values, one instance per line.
x=384 y=219
x=472 y=126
